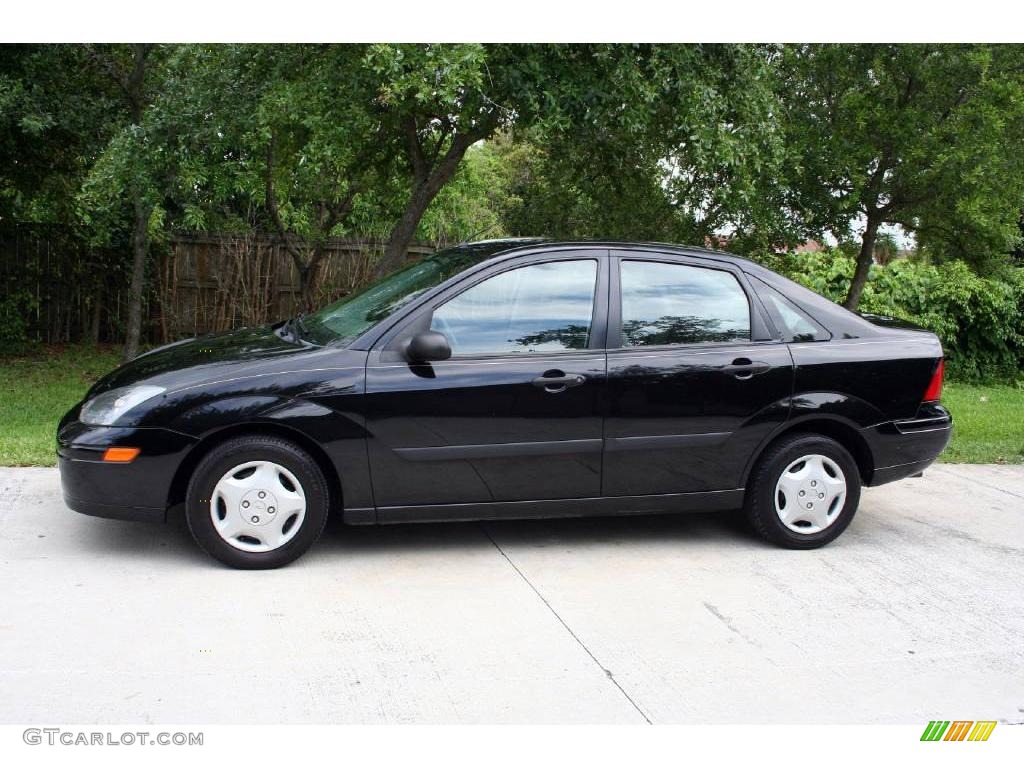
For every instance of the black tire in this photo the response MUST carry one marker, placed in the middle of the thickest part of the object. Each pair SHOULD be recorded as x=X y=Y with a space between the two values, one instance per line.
x=759 y=503
x=230 y=454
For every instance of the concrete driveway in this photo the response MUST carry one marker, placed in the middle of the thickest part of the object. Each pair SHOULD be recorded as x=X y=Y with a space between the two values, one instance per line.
x=915 y=613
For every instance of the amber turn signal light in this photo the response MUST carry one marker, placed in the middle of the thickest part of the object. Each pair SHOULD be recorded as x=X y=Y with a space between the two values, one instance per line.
x=120 y=455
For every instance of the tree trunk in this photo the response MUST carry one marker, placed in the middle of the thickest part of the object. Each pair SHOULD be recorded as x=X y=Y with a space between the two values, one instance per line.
x=425 y=189
x=97 y=312
x=310 y=275
x=308 y=285
x=404 y=230
x=864 y=260
x=140 y=250
x=133 y=88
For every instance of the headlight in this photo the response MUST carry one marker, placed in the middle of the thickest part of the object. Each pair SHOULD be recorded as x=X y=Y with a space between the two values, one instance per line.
x=103 y=410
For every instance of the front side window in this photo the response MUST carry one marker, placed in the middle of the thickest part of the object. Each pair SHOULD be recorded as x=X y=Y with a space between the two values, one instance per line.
x=679 y=304
x=536 y=308
x=344 y=320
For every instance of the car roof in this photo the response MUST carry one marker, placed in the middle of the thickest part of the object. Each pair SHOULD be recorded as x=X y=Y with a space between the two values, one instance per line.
x=504 y=246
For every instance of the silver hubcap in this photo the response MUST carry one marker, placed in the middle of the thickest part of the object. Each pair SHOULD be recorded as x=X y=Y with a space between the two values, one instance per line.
x=810 y=494
x=258 y=506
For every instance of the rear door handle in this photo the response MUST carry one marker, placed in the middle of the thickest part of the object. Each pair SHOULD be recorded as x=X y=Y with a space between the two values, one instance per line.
x=743 y=368
x=557 y=381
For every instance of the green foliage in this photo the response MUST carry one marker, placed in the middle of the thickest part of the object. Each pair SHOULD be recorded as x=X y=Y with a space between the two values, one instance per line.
x=915 y=135
x=328 y=131
x=52 y=122
x=979 y=319
x=652 y=142
x=16 y=303
x=765 y=144
x=104 y=197
x=150 y=162
x=470 y=206
x=456 y=75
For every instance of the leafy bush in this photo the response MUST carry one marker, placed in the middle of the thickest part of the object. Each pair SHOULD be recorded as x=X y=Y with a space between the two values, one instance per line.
x=979 y=319
x=15 y=306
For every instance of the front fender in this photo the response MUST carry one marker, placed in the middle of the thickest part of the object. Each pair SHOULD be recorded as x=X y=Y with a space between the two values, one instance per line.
x=339 y=436
x=208 y=416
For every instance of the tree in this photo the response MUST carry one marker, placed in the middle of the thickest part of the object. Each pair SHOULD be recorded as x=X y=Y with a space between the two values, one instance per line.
x=133 y=165
x=53 y=124
x=55 y=118
x=325 y=149
x=470 y=205
x=915 y=135
x=347 y=137
x=659 y=142
x=440 y=100
x=29 y=134
x=886 y=248
x=288 y=137
x=334 y=139
x=362 y=138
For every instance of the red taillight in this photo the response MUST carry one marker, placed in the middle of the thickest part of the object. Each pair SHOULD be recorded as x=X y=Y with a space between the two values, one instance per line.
x=934 y=391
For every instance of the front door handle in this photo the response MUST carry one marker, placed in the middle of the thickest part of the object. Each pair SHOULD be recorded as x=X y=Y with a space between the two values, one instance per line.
x=556 y=381
x=743 y=368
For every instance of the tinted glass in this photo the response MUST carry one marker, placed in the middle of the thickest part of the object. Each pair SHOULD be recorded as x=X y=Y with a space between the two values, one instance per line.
x=793 y=323
x=679 y=304
x=346 y=319
x=538 y=308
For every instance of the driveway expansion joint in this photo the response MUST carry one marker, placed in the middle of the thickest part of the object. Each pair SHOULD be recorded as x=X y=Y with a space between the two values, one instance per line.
x=608 y=673
x=969 y=479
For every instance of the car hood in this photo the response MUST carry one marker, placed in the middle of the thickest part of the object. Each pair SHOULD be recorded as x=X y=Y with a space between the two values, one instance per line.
x=203 y=359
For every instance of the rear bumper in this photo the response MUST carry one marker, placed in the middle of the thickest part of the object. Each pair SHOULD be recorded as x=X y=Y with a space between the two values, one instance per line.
x=135 y=491
x=904 y=448
x=885 y=475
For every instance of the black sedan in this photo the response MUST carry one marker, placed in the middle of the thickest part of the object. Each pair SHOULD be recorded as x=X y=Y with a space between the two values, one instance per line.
x=515 y=379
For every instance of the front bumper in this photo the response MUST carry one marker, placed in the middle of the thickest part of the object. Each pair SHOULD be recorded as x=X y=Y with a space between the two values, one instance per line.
x=908 y=447
x=135 y=491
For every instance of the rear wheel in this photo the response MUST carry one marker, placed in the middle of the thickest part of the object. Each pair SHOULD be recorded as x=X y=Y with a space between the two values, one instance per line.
x=803 y=491
x=257 y=502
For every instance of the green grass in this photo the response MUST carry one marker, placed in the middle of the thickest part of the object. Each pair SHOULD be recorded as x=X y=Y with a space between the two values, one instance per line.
x=36 y=389
x=988 y=424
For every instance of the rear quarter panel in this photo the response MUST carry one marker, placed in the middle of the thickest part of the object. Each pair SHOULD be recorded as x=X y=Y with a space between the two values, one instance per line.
x=881 y=378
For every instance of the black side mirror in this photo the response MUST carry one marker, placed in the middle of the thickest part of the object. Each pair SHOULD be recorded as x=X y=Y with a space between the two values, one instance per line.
x=427 y=346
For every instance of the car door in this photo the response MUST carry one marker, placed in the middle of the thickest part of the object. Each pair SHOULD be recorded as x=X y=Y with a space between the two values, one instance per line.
x=514 y=414
x=695 y=379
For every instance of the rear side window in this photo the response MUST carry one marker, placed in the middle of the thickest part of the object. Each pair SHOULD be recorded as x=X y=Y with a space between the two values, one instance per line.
x=680 y=304
x=794 y=324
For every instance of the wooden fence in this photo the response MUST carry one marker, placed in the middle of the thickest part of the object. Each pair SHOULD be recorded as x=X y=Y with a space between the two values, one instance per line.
x=215 y=282
x=61 y=289
x=54 y=287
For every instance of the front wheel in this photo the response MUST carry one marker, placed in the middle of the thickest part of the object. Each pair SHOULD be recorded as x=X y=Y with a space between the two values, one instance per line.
x=803 y=492
x=256 y=502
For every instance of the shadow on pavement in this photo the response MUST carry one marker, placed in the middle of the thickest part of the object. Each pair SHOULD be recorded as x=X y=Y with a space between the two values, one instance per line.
x=157 y=542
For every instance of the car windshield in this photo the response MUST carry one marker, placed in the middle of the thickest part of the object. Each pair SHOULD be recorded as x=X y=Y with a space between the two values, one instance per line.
x=347 y=318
